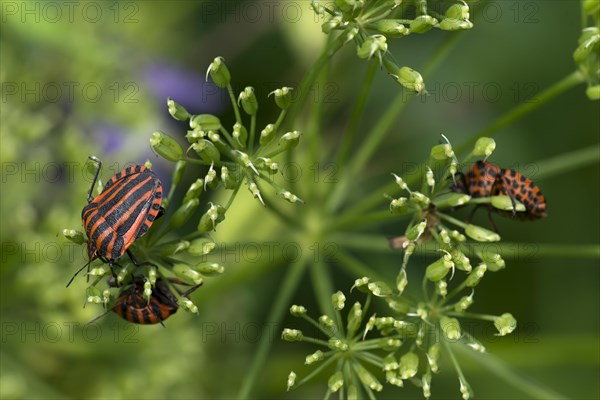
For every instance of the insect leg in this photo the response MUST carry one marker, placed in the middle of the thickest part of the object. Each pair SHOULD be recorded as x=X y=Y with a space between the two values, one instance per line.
x=98 y=167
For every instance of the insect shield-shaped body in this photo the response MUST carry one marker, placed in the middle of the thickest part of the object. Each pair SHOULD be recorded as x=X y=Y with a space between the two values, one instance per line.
x=133 y=307
x=123 y=212
x=484 y=179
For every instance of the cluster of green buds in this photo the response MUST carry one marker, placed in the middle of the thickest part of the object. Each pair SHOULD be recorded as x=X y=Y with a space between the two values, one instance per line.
x=405 y=347
x=587 y=53
x=236 y=156
x=370 y=24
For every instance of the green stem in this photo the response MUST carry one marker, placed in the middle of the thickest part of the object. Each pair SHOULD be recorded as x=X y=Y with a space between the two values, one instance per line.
x=236 y=108
x=564 y=163
x=316 y=371
x=355 y=267
x=252 y=133
x=323 y=287
x=279 y=306
x=353 y=222
x=523 y=109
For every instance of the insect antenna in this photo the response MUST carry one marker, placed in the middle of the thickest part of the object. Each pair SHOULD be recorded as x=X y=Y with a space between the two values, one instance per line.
x=77 y=273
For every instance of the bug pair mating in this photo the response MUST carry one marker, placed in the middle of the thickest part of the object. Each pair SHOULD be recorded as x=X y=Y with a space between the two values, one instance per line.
x=123 y=212
x=484 y=179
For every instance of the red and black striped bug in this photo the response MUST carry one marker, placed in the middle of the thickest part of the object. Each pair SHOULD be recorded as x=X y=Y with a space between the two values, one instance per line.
x=484 y=179
x=133 y=307
x=121 y=213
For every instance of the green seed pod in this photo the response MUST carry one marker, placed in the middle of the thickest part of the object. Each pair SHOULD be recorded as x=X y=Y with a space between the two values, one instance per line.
x=207 y=151
x=399 y=206
x=187 y=305
x=205 y=122
x=585 y=49
x=178 y=172
x=219 y=73
x=451 y=199
x=210 y=179
x=391 y=377
x=291 y=381
x=326 y=322
x=184 y=271
x=335 y=382
x=124 y=274
x=591 y=8
x=401 y=281
x=292 y=335
x=409 y=365
x=373 y=44
x=390 y=363
x=297 y=311
x=338 y=299
x=505 y=324
x=337 y=344
x=481 y=234
x=177 y=111
x=267 y=135
x=458 y=11
x=391 y=28
x=147 y=291
x=593 y=92
x=183 y=213
x=368 y=379
x=209 y=268
x=314 y=357
x=354 y=318
x=361 y=284
x=248 y=100
x=194 y=135
x=433 y=356
x=455 y=24
x=475 y=276
x=442 y=152
x=74 y=236
x=332 y=23
x=240 y=134
x=194 y=191
x=416 y=231
x=422 y=24
x=379 y=289
x=464 y=303
x=174 y=248
x=411 y=79
x=438 y=270
x=289 y=196
x=450 y=328
x=283 y=97
x=484 y=146
x=165 y=146
x=151 y=274
x=201 y=247
x=493 y=261
x=211 y=218
x=290 y=140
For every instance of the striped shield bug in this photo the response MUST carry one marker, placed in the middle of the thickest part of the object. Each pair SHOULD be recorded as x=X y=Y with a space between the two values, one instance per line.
x=133 y=307
x=484 y=179
x=124 y=211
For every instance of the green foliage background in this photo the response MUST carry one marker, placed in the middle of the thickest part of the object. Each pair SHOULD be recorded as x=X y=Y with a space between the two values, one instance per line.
x=551 y=285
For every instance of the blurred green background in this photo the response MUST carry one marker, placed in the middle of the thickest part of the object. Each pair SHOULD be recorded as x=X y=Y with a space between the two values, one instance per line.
x=83 y=78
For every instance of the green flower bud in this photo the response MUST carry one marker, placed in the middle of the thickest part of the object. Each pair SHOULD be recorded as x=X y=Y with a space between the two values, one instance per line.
x=147 y=291
x=152 y=275
x=326 y=322
x=209 y=268
x=98 y=271
x=338 y=299
x=179 y=170
x=465 y=389
x=188 y=305
x=183 y=213
x=94 y=295
x=583 y=51
x=409 y=365
x=400 y=182
x=390 y=363
x=411 y=80
x=177 y=111
x=350 y=33
x=461 y=261
x=335 y=382
x=314 y=357
x=361 y=284
x=448 y=24
x=332 y=23
x=399 y=206
x=290 y=140
x=267 y=135
x=292 y=335
x=123 y=274
x=456 y=235
x=289 y=196
x=420 y=198
x=201 y=247
x=214 y=137
x=354 y=318
x=505 y=324
x=269 y=164
x=291 y=380
x=391 y=28
x=475 y=277
x=194 y=135
x=219 y=73
x=74 y=236
x=503 y=202
x=438 y=270
x=207 y=151
x=426 y=385
x=248 y=100
x=94 y=299
x=591 y=7
x=593 y=92
x=165 y=146
x=392 y=378
x=337 y=344
x=106 y=296
x=210 y=179
x=458 y=11
x=194 y=191
x=380 y=289
x=450 y=328
x=368 y=379
x=441 y=288
x=493 y=261
x=240 y=134
x=174 y=248
x=416 y=231
x=373 y=44
x=451 y=199
x=283 y=97
x=369 y=326
x=481 y=234
x=464 y=303
x=211 y=218
x=433 y=356
x=442 y=152
x=422 y=24
x=429 y=178
x=228 y=179
x=184 y=272
x=484 y=146
x=244 y=160
x=297 y=311
x=205 y=122
x=475 y=345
